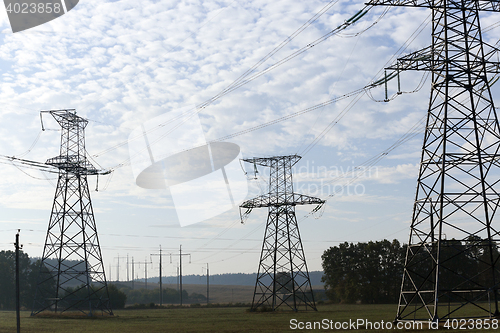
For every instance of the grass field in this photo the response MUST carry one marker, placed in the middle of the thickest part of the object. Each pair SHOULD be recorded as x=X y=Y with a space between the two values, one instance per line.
x=231 y=319
x=218 y=293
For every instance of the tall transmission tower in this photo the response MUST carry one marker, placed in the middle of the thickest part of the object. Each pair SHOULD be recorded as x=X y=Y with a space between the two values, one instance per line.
x=71 y=276
x=283 y=278
x=452 y=267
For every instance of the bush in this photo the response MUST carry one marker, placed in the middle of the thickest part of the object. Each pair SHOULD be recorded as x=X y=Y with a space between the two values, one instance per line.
x=117 y=298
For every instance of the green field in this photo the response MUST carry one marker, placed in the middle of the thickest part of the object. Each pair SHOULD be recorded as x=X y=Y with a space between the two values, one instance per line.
x=230 y=319
x=218 y=293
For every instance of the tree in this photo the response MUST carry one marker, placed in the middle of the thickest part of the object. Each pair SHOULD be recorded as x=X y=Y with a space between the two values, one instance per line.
x=367 y=272
x=7 y=282
x=284 y=282
x=117 y=298
x=28 y=273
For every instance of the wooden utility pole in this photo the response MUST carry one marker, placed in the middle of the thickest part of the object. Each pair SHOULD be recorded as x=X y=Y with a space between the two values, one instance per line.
x=208 y=288
x=118 y=268
x=132 y=273
x=180 y=267
x=145 y=262
x=161 y=286
x=18 y=316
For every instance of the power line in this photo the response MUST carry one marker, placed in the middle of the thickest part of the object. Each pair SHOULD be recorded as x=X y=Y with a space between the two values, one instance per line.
x=248 y=77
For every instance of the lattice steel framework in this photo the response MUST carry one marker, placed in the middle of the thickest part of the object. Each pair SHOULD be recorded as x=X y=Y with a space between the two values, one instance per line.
x=71 y=276
x=283 y=278
x=452 y=267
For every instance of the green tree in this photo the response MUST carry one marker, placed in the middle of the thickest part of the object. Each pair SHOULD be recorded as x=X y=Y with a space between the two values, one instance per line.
x=117 y=298
x=367 y=272
x=7 y=282
x=284 y=282
x=28 y=273
x=76 y=295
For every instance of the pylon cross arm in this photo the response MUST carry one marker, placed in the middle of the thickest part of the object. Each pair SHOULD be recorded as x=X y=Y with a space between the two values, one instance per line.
x=274 y=200
x=422 y=60
x=79 y=167
x=484 y=5
x=270 y=162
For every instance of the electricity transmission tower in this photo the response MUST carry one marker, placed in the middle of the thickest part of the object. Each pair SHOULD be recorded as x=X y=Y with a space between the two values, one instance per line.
x=283 y=278
x=452 y=267
x=71 y=276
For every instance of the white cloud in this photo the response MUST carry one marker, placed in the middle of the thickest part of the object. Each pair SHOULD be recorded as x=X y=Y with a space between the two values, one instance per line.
x=393 y=175
x=122 y=63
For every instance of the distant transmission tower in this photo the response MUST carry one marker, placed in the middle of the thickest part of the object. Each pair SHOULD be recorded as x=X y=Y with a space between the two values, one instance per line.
x=452 y=267
x=71 y=276
x=282 y=279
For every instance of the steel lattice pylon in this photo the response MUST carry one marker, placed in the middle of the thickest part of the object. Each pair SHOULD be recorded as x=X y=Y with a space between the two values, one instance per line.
x=283 y=278
x=71 y=276
x=452 y=267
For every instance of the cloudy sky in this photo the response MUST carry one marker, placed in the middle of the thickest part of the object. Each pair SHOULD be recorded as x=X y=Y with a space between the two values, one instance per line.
x=122 y=64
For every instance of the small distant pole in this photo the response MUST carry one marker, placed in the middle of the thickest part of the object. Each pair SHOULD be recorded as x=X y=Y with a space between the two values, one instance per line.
x=132 y=272
x=208 y=288
x=146 y=272
x=145 y=262
x=180 y=267
x=118 y=268
x=161 y=286
x=180 y=271
x=18 y=315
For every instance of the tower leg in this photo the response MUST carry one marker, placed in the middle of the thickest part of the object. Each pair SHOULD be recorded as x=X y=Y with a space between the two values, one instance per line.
x=452 y=267
x=283 y=278
x=71 y=276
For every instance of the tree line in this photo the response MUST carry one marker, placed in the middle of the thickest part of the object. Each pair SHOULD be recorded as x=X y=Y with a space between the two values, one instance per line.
x=367 y=272
x=119 y=295
x=28 y=274
x=372 y=272
x=28 y=277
